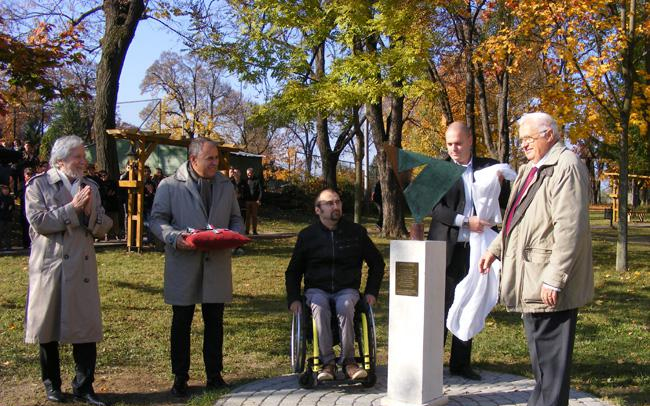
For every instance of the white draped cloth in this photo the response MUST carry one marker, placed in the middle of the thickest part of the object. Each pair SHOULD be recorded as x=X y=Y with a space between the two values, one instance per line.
x=477 y=293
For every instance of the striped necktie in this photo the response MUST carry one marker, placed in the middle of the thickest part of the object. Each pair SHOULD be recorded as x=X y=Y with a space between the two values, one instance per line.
x=520 y=195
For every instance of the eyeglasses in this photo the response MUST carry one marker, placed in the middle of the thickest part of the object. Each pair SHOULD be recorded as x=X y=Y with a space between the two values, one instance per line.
x=330 y=203
x=530 y=138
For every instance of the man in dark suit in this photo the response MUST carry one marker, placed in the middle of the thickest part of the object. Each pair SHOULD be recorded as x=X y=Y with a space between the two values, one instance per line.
x=452 y=220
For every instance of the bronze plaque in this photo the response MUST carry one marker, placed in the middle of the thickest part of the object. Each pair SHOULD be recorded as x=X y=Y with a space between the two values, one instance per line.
x=406 y=278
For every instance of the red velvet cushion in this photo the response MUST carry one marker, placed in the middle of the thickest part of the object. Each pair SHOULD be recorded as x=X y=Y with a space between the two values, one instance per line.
x=220 y=238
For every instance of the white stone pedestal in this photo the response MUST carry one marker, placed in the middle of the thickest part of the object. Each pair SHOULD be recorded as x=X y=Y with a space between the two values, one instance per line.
x=415 y=323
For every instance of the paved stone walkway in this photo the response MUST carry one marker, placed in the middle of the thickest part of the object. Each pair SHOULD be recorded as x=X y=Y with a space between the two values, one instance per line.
x=495 y=389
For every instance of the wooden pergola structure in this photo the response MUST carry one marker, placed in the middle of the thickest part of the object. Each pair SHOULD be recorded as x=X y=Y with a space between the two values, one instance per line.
x=143 y=144
x=613 y=182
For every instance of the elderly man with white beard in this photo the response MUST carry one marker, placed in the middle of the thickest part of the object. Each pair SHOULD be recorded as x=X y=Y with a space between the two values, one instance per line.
x=65 y=216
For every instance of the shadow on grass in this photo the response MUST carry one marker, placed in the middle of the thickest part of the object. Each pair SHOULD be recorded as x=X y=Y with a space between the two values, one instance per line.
x=257 y=303
x=139 y=287
x=28 y=355
x=266 y=249
x=12 y=306
x=615 y=298
x=503 y=317
x=620 y=379
x=611 y=237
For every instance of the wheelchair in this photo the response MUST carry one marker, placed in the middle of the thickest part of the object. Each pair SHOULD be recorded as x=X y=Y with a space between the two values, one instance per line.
x=304 y=337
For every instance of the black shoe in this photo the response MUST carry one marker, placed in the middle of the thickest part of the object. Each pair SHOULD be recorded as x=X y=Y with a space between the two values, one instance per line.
x=216 y=383
x=180 y=388
x=89 y=398
x=54 y=395
x=467 y=373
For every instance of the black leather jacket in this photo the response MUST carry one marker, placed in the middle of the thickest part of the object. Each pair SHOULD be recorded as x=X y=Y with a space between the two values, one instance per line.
x=331 y=260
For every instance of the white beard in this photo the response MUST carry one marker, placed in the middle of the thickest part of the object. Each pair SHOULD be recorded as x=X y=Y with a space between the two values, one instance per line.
x=71 y=174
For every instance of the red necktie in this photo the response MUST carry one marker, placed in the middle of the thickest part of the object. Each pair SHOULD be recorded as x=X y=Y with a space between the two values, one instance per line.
x=522 y=191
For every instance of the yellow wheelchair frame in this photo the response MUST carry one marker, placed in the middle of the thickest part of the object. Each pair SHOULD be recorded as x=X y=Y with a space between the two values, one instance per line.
x=302 y=338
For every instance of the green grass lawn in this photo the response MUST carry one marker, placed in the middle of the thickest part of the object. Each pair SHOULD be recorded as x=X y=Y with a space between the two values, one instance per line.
x=611 y=359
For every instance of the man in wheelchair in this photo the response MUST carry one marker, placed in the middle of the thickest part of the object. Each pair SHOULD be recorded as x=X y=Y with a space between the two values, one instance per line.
x=329 y=254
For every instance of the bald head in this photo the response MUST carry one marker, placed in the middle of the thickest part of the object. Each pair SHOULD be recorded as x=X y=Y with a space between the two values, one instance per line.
x=459 y=142
x=458 y=127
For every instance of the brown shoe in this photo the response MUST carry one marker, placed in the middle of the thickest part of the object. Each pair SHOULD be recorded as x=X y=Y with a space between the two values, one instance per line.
x=328 y=373
x=354 y=372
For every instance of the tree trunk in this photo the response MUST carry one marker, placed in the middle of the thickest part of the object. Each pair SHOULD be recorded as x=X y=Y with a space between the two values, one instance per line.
x=393 y=215
x=122 y=19
x=443 y=96
x=322 y=131
x=309 y=152
x=628 y=81
x=391 y=194
x=503 y=122
x=358 y=165
x=600 y=166
x=485 y=114
x=395 y=194
x=323 y=143
x=469 y=77
x=593 y=178
x=621 y=243
x=645 y=109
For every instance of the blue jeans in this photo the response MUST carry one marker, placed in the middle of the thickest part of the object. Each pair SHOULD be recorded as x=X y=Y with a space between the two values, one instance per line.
x=345 y=301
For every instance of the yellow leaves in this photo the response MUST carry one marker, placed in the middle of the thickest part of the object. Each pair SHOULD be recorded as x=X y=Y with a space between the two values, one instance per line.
x=637 y=119
x=40 y=34
x=572 y=42
x=593 y=116
x=646 y=91
x=424 y=133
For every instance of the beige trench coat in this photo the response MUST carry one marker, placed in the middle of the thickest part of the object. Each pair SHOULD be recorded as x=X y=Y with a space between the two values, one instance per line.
x=550 y=238
x=63 y=297
x=193 y=277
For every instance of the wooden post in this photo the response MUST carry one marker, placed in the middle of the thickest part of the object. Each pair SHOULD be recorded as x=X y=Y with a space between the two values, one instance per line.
x=143 y=144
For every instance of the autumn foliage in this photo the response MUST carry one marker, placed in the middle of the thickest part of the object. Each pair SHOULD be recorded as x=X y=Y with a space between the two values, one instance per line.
x=30 y=64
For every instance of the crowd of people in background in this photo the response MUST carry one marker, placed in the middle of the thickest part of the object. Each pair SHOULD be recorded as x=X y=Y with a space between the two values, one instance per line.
x=20 y=161
x=249 y=195
x=15 y=172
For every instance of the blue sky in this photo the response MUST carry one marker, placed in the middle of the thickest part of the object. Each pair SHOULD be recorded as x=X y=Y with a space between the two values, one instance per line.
x=151 y=39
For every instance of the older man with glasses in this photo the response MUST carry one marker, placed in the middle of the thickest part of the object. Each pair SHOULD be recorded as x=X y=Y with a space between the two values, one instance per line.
x=545 y=252
x=329 y=254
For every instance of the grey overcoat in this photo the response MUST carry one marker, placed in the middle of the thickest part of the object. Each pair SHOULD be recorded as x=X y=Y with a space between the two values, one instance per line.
x=63 y=297
x=193 y=277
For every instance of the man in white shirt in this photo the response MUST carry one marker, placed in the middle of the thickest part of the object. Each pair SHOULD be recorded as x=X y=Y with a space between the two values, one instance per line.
x=452 y=219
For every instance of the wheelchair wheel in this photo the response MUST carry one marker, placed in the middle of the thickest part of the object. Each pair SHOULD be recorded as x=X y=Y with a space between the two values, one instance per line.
x=368 y=347
x=307 y=379
x=298 y=344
